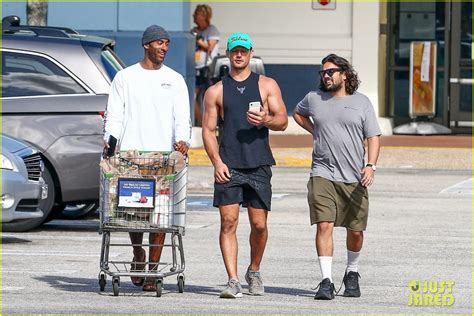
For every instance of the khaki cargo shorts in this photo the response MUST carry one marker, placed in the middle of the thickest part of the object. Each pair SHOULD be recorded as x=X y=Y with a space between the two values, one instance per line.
x=345 y=204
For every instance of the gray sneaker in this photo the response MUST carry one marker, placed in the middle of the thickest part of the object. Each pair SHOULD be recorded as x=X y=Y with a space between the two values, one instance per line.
x=233 y=290
x=255 y=283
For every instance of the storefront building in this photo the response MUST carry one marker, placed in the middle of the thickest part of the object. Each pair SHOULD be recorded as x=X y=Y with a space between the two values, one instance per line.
x=449 y=25
x=293 y=37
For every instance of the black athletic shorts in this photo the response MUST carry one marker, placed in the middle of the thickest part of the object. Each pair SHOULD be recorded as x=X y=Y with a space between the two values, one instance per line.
x=249 y=187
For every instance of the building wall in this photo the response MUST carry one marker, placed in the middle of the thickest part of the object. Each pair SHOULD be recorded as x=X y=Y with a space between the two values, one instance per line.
x=110 y=16
x=292 y=39
x=365 y=48
x=125 y=22
x=14 y=8
x=120 y=16
x=288 y=33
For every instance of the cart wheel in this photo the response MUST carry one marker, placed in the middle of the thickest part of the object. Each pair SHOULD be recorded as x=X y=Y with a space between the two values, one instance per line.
x=181 y=283
x=102 y=282
x=159 y=287
x=116 y=286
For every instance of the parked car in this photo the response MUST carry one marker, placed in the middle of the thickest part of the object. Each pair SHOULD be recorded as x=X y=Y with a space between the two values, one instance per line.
x=54 y=93
x=24 y=192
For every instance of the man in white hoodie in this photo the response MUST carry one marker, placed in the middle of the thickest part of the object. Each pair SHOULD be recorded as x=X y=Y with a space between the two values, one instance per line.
x=148 y=110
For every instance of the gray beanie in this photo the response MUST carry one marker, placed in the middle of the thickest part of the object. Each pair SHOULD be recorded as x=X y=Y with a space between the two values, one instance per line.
x=153 y=33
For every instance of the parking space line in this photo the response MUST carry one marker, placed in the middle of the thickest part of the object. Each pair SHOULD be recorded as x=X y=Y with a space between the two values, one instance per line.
x=52 y=254
x=463 y=187
x=12 y=288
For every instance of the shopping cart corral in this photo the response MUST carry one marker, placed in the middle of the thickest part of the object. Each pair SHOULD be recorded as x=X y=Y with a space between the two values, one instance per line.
x=142 y=192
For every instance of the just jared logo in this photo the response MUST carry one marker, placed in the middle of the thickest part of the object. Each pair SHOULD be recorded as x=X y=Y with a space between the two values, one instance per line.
x=431 y=293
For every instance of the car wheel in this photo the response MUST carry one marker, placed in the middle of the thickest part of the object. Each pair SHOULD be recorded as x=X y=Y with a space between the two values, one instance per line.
x=45 y=205
x=75 y=211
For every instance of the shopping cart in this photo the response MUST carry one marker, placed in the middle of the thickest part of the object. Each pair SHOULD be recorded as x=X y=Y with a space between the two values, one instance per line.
x=142 y=192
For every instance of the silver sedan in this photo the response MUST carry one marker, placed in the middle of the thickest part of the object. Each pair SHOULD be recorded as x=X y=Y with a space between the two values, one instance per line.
x=24 y=191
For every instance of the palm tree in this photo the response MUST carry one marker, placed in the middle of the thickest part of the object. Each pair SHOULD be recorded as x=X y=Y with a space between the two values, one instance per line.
x=37 y=12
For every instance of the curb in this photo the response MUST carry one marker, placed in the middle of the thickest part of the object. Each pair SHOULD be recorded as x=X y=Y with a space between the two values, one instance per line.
x=390 y=157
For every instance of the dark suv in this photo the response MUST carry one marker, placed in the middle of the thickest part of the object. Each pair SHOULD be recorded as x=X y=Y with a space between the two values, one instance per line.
x=54 y=93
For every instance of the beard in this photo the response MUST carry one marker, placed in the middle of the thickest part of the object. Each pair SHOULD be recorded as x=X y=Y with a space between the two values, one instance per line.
x=334 y=86
x=153 y=56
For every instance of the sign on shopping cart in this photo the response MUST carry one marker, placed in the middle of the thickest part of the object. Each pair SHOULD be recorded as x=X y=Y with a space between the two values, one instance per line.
x=136 y=193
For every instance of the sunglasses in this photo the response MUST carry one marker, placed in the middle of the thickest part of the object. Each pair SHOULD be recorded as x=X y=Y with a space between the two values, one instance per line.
x=329 y=72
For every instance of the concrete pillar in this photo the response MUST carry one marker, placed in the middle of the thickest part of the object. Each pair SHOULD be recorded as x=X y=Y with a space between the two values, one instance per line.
x=365 y=48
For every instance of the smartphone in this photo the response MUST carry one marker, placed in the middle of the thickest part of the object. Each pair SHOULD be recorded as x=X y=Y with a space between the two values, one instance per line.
x=112 y=144
x=255 y=106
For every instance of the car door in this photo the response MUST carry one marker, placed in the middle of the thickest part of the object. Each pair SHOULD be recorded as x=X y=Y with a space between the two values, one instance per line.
x=48 y=106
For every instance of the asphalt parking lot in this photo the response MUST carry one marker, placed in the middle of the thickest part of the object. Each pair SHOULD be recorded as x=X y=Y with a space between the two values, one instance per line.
x=420 y=230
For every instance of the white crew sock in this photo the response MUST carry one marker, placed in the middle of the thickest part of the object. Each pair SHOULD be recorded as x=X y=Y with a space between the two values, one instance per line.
x=325 y=263
x=352 y=261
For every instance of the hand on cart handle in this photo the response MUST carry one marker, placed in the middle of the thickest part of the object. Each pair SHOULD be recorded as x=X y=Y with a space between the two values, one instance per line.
x=182 y=147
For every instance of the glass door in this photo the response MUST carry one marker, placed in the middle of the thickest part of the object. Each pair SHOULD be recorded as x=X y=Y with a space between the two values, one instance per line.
x=408 y=22
x=460 y=74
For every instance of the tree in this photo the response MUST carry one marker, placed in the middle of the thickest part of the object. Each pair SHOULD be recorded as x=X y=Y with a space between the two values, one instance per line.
x=37 y=12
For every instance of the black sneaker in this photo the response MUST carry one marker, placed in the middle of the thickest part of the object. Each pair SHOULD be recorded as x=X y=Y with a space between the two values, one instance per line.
x=326 y=290
x=351 y=284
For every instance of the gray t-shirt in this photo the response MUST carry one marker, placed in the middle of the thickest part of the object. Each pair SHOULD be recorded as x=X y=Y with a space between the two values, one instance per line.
x=201 y=57
x=341 y=124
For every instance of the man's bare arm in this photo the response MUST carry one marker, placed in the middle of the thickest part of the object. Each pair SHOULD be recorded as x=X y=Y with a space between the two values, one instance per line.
x=373 y=150
x=304 y=122
x=209 y=127
x=276 y=118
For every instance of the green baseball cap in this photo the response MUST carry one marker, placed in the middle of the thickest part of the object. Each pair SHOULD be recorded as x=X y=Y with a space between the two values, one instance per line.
x=239 y=39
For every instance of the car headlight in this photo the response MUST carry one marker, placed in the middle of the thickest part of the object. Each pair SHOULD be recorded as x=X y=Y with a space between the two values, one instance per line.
x=7 y=163
x=7 y=201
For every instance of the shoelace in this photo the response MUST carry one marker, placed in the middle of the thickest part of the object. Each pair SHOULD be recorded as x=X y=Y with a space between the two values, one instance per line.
x=255 y=278
x=233 y=283
x=339 y=290
x=317 y=287
x=345 y=275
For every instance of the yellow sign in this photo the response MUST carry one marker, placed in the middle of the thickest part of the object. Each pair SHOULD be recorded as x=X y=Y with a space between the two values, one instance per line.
x=422 y=79
x=431 y=293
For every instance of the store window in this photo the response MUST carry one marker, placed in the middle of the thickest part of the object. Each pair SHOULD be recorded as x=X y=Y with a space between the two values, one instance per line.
x=411 y=21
